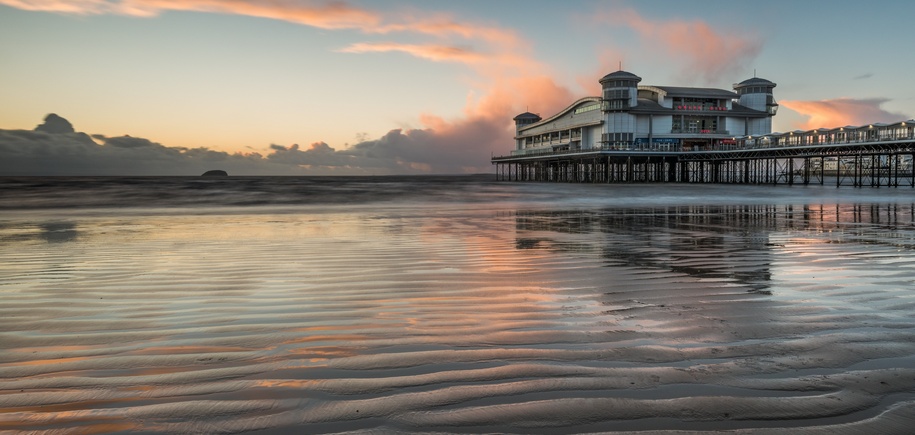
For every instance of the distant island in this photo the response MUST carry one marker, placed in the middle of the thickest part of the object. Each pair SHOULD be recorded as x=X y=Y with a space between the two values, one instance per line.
x=215 y=173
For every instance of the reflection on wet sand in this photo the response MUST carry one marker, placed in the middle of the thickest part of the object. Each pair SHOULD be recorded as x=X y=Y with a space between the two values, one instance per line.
x=766 y=318
x=688 y=239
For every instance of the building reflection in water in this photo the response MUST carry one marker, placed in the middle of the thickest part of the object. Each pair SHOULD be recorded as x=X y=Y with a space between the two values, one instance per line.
x=726 y=242
x=59 y=232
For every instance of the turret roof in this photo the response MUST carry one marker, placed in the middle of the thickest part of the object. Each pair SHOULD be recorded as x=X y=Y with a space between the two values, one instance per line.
x=755 y=81
x=620 y=75
x=527 y=115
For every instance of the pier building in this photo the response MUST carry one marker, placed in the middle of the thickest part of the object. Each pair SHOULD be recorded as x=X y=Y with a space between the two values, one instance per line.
x=652 y=133
x=630 y=116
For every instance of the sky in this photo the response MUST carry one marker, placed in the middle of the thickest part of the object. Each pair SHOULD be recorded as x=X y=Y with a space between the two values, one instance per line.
x=296 y=87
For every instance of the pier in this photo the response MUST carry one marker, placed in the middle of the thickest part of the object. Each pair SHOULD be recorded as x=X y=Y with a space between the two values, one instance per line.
x=868 y=156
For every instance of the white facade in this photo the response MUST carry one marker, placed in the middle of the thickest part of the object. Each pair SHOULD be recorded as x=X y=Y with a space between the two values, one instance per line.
x=630 y=116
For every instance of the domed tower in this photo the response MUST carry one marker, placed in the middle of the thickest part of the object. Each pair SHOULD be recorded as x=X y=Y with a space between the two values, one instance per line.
x=526 y=118
x=522 y=120
x=620 y=93
x=756 y=93
x=620 y=90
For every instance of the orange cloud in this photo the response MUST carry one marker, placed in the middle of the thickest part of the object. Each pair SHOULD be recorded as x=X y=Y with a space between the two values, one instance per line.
x=332 y=15
x=509 y=79
x=443 y=25
x=505 y=49
x=710 y=55
x=510 y=95
x=841 y=112
x=438 y=53
x=611 y=59
x=82 y=7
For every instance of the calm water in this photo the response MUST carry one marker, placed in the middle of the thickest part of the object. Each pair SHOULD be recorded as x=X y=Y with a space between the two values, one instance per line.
x=453 y=305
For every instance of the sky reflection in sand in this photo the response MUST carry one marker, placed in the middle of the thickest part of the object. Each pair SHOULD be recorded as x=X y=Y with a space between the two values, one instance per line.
x=470 y=318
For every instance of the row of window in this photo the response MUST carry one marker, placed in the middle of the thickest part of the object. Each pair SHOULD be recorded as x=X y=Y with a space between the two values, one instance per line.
x=694 y=124
x=616 y=137
x=755 y=90
x=616 y=104
x=587 y=108
x=563 y=135
x=621 y=84
x=616 y=93
x=706 y=102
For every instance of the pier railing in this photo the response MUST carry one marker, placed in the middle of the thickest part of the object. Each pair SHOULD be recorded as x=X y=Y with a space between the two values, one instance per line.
x=876 y=155
x=845 y=136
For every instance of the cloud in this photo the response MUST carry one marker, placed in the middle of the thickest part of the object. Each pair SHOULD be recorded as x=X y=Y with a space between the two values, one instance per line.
x=318 y=155
x=459 y=147
x=841 y=112
x=441 y=146
x=450 y=148
x=129 y=142
x=81 y=7
x=56 y=151
x=438 y=53
x=863 y=76
x=511 y=95
x=708 y=54
x=329 y=15
x=508 y=81
x=55 y=124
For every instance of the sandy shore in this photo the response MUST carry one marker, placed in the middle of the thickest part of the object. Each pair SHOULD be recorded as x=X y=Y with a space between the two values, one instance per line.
x=751 y=319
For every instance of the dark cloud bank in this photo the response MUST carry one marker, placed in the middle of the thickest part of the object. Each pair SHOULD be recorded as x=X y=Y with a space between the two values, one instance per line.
x=56 y=148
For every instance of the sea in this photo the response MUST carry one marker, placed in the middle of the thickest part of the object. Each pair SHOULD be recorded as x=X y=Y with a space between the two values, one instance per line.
x=453 y=304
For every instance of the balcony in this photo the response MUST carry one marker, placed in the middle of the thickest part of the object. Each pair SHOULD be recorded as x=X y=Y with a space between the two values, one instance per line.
x=697 y=131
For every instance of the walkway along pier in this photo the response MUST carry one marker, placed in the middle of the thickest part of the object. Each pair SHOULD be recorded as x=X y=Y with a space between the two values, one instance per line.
x=873 y=155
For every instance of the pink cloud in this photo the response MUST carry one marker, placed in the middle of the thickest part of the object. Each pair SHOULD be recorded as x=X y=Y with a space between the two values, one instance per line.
x=327 y=15
x=461 y=145
x=509 y=80
x=494 y=64
x=445 y=26
x=82 y=7
x=611 y=59
x=506 y=53
x=510 y=95
x=841 y=112
x=438 y=53
x=330 y=15
x=708 y=54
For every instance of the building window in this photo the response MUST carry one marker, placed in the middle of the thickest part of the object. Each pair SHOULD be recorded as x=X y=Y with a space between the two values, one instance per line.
x=694 y=124
x=587 y=108
x=616 y=104
x=616 y=93
x=617 y=137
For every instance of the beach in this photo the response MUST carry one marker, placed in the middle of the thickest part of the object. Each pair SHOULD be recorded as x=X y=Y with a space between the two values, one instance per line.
x=455 y=305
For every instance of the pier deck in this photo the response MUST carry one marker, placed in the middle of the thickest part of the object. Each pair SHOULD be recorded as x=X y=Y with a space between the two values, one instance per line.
x=878 y=162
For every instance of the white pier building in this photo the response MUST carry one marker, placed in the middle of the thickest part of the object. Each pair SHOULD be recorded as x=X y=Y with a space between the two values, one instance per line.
x=629 y=116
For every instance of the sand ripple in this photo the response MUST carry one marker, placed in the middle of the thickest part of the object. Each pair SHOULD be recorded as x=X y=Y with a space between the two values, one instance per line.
x=768 y=319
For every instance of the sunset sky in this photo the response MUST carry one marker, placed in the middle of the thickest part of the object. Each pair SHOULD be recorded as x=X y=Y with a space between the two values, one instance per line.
x=382 y=87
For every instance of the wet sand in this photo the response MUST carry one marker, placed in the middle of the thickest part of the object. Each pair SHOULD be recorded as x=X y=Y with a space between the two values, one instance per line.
x=461 y=319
